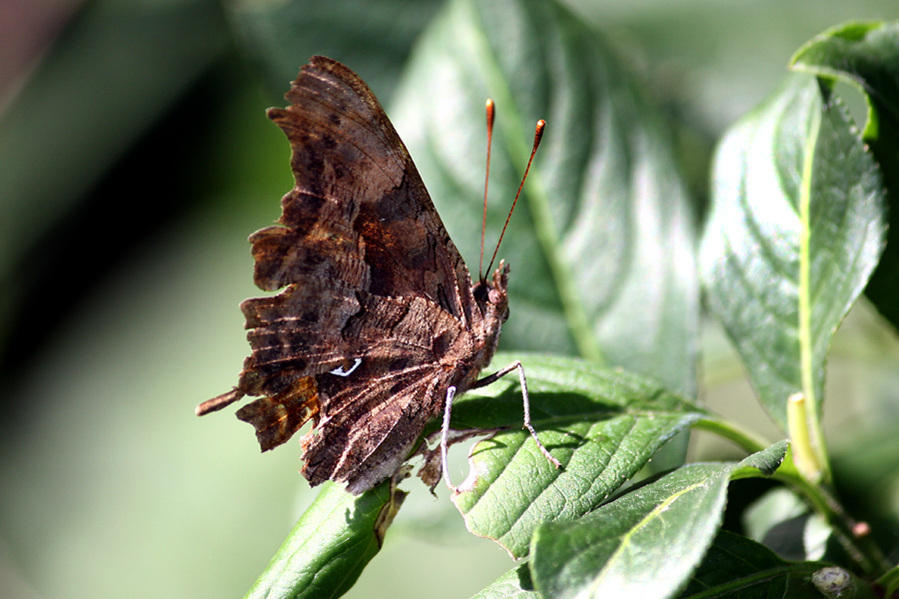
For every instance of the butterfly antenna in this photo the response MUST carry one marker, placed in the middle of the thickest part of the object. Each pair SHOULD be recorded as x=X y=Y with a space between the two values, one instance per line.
x=491 y=114
x=538 y=135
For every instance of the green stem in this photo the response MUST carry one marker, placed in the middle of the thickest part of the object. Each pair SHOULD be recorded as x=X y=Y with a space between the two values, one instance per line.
x=890 y=581
x=747 y=440
x=804 y=455
x=860 y=547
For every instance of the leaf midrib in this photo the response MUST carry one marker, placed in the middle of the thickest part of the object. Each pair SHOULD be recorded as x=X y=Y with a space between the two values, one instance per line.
x=537 y=199
x=805 y=309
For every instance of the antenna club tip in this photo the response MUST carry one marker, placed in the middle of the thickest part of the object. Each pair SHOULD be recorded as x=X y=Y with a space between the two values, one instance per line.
x=538 y=132
x=491 y=112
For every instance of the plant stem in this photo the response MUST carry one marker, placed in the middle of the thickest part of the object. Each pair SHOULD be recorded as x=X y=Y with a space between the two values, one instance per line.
x=747 y=440
x=860 y=547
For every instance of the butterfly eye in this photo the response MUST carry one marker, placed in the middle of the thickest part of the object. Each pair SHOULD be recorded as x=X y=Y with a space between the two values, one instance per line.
x=481 y=293
x=506 y=315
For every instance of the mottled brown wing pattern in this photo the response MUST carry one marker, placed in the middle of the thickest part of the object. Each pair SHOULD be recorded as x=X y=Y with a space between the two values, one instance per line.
x=345 y=149
x=380 y=419
x=395 y=385
x=375 y=294
x=379 y=413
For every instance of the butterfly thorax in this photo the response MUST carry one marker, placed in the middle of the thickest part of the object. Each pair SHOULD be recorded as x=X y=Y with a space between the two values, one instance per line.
x=492 y=300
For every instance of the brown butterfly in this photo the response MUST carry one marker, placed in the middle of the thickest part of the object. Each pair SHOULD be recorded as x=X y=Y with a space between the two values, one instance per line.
x=379 y=324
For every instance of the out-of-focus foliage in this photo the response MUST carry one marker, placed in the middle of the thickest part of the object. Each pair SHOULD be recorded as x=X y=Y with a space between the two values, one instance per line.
x=135 y=158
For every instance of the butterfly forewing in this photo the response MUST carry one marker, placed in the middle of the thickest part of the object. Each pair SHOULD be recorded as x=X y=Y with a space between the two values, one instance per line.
x=357 y=187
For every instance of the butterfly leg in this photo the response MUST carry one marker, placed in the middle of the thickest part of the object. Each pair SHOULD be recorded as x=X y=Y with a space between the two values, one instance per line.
x=516 y=365
x=444 y=435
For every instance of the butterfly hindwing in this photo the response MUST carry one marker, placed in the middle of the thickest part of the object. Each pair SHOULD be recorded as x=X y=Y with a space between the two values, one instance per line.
x=373 y=424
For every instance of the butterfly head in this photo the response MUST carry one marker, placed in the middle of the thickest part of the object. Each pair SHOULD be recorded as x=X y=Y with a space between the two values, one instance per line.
x=492 y=296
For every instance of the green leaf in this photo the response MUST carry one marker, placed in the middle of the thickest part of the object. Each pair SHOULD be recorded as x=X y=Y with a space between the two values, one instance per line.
x=603 y=425
x=602 y=243
x=373 y=37
x=330 y=545
x=771 y=510
x=866 y=55
x=644 y=544
x=783 y=522
x=514 y=584
x=765 y=462
x=863 y=54
x=739 y=568
x=795 y=231
x=101 y=87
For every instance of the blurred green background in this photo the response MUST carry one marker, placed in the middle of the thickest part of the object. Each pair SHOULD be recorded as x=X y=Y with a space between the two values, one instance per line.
x=135 y=159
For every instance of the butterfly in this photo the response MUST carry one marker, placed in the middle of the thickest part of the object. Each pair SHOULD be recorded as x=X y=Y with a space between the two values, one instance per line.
x=378 y=324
